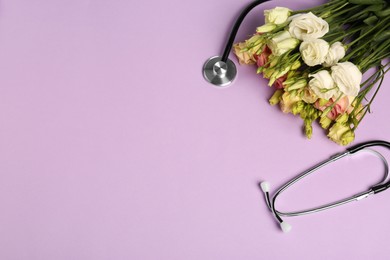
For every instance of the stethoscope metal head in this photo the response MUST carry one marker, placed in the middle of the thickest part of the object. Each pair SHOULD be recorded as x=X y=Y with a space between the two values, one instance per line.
x=218 y=72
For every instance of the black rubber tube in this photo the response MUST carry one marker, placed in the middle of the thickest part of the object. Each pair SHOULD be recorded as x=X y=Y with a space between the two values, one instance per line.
x=361 y=146
x=236 y=26
x=356 y=148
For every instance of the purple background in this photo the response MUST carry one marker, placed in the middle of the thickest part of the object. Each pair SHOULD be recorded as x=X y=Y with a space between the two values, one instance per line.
x=113 y=146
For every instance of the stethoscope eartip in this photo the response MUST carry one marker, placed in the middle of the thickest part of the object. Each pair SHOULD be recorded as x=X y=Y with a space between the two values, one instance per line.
x=218 y=72
x=285 y=227
x=265 y=186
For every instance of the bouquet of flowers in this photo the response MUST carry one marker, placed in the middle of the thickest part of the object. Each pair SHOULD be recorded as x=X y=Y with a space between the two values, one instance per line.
x=316 y=58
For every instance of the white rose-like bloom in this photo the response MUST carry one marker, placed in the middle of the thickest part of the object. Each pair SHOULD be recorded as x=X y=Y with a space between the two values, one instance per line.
x=278 y=15
x=313 y=51
x=308 y=26
x=322 y=84
x=336 y=52
x=282 y=42
x=347 y=78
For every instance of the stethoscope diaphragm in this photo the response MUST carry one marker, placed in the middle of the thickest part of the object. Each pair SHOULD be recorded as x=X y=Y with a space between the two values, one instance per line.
x=219 y=73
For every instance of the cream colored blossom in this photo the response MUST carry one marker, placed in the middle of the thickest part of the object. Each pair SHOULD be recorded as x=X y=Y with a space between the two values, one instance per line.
x=307 y=26
x=347 y=78
x=277 y=15
x=313 y=51
x=336 y=52
x=322 y=84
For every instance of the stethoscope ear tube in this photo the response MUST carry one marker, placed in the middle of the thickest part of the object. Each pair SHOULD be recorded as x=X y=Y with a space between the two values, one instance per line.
x=236 y=26
x=361 y=146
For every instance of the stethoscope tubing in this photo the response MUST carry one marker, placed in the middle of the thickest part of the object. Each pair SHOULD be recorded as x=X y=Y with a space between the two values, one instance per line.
x=381 y=186
x=236 y=26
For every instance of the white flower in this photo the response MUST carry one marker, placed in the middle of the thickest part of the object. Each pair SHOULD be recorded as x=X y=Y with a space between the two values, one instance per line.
x=307 y=26
x=282 y=42
x=278 y=15
x=322 y=84
x=347 y=77
x=336 y=53
x=313 y=51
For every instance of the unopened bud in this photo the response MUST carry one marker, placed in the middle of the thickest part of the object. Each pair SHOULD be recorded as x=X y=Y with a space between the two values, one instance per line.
x=266 y=28
x=296 y=65
x=276 y=97
x=267 y=72
x=298 y=107
x=298 y=84
x=259 y=70
x=325 y=122
x=342 y=119
x=308 y=128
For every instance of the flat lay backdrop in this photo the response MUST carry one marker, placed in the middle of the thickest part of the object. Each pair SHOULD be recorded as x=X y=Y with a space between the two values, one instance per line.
x=113 y=146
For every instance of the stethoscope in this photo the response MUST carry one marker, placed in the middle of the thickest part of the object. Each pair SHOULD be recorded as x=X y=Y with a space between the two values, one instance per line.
x=221 y=71
x=379 y=187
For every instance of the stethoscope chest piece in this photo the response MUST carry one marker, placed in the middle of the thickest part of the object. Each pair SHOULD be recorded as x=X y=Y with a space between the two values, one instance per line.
x=219 y=73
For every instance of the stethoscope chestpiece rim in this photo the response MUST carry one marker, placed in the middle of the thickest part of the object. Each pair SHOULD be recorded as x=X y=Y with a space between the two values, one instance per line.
x=218 y=72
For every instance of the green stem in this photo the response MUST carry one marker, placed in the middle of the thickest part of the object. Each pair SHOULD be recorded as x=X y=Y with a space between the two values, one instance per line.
x=367 y=107
x=324 y=6
x=379 y=25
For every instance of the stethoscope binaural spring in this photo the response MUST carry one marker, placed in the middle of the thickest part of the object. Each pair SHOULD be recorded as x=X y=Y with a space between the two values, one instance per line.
x=382 y=186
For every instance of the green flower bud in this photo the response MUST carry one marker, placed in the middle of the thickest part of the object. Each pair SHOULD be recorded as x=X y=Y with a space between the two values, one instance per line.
x=276 y=97
x=298 y=107
x=313 y=113
x=342 y=119
x=292 y=73
x=308 y=128
x=325 y=122
x=296 y=65
x=301 y=83
x=274 y=60
x=268 y=27
x=267 y=72
x=259 y=70
x=277 y=74
x=272 y=80
x=283 y=72
x=289 y=43
x=255 y=40
x=289 y=82
x=294 y=93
